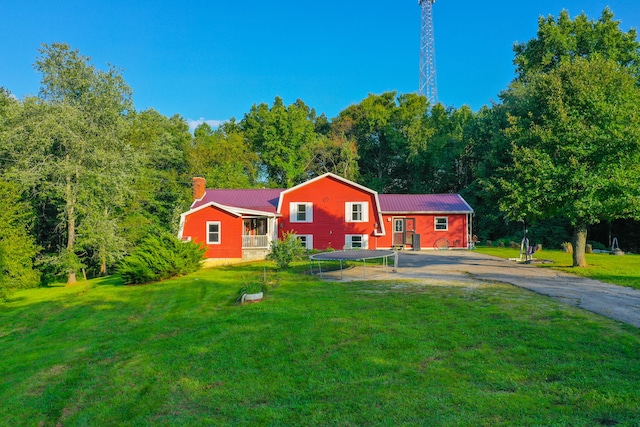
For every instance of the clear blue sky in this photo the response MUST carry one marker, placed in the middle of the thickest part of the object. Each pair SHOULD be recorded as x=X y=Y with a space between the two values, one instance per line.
x=213 y=60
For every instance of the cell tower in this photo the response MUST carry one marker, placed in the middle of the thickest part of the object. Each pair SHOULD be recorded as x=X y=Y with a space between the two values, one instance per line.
x=427 y=54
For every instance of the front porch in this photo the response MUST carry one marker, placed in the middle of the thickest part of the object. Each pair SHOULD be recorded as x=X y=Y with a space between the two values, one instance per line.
x=257 y=234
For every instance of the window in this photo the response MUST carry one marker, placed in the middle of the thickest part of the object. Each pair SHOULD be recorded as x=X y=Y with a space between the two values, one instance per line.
x=301 y=212
x=357 y=211
x=213 y=233
x=441 y=223
x=306 y=240
x=356 y=241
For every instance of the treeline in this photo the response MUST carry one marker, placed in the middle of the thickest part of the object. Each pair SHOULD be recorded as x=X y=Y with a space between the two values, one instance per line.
x=84 y=177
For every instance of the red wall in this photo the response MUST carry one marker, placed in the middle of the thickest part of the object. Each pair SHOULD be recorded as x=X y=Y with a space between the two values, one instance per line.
x=329 y=226
x=195 y=226
x=425 y=227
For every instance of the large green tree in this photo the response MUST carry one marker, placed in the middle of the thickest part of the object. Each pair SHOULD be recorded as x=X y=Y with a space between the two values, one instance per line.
x=162 y=183
x=575 y=134
x=578 y=38
x=223 y=157
x=284 y=138
x=67 y=146
x=573 y=125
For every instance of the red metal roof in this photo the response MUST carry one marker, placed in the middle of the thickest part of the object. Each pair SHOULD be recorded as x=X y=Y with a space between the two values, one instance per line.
x=261 y=199
x=432 y=203
x=266 y=200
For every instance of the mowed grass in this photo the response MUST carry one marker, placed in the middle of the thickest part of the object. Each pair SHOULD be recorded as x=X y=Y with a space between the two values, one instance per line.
x=619 y=270
x=312 y=353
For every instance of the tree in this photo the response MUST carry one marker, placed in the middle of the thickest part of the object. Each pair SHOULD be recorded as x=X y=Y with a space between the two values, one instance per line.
x=574 y=125
x=578 y=38
x=162 y=185
x=575 y=133
x=223 y=157
x=382 y=148
x=284 y=138
x=67 y=147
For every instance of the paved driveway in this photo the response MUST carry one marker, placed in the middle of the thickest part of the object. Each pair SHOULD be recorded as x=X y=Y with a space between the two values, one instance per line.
x=617 y=302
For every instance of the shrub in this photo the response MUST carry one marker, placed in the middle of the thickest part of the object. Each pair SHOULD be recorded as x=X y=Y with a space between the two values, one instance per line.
x=286 y=250
x=160 y=257
x=18 y=247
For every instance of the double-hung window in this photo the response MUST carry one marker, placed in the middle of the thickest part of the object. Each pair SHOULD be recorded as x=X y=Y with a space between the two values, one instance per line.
x=441 y=223
x=213 y=232
x=301 y=211
x=357 y=211
x=356 y=241
x=306 y=240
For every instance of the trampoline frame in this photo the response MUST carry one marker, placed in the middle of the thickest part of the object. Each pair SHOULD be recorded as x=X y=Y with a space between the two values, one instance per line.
x=354 y=255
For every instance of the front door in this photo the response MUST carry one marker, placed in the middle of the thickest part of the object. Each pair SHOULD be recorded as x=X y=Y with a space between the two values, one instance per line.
x=403 y=231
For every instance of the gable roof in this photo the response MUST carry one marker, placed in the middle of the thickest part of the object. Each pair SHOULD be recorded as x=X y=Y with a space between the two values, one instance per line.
x=334 y=176
x=257 y=199
x=424 y=203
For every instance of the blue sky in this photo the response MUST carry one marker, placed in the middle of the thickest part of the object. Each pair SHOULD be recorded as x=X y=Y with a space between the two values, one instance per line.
x=212 y=60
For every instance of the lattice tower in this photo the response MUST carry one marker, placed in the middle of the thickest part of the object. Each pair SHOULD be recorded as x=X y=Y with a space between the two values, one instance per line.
x=427 y=86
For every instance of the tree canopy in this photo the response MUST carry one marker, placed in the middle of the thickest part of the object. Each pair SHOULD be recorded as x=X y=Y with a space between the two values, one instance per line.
x=573 y=126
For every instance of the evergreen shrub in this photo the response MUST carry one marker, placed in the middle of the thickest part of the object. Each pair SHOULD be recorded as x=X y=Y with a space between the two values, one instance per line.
x=160 y=257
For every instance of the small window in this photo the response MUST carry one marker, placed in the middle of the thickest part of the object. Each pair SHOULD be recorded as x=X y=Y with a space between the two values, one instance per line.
x=356 y=241
x=301 y=212
x=306 y=240
x=213 y=233
x=441 y=223
x=357 y=211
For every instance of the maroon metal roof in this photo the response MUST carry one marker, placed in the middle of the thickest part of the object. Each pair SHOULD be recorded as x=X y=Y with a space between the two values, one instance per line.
x=266 y=200
x=260 y=199
x=432 y=203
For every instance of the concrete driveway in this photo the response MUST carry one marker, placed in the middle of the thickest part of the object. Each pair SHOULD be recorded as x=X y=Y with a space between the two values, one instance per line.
x=616 y=302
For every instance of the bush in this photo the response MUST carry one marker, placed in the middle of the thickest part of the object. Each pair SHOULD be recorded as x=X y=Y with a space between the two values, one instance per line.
x=160 y=257
x=286 y=250
x=18 y=247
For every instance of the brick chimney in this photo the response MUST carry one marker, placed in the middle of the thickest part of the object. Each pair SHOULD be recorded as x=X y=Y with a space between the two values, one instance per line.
x=199 y=187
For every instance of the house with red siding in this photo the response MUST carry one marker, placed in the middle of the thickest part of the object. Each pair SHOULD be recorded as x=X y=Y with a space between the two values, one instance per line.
x=325 y=212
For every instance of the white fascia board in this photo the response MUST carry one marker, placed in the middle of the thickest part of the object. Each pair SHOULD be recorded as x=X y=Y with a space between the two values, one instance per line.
x=232 y=210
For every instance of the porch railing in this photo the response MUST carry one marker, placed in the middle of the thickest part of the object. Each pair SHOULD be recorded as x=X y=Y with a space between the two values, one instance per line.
x=255 y=242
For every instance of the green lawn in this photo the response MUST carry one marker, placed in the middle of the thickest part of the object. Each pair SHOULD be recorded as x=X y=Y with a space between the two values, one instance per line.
x=619 y=270
x=312 y=353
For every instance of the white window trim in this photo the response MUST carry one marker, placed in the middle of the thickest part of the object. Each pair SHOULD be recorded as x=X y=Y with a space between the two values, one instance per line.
x=293 y=211
x=209 y=242
x=348 y=241
x=446 y=223
x=348 y=211
x=309 y=241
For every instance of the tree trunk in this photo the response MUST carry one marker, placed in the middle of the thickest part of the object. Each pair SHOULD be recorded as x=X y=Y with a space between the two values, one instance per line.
x=71 y=228
x=579 y=245
x=103 y=265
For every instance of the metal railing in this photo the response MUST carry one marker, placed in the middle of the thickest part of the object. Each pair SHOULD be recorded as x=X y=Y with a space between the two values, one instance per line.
x=255 y=242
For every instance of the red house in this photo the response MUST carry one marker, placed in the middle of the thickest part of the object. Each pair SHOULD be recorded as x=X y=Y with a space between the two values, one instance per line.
x=325 y=212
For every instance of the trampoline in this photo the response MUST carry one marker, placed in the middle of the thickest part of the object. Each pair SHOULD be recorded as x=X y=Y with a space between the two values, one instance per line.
x=355 y=255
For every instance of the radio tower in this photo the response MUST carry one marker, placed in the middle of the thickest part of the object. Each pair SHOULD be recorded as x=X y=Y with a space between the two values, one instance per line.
x=427 y=54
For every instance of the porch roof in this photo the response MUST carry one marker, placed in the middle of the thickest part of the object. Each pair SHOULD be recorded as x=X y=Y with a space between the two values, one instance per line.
x=257 y=199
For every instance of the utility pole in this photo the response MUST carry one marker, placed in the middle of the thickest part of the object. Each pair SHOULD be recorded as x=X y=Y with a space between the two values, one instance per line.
x=427 y=54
